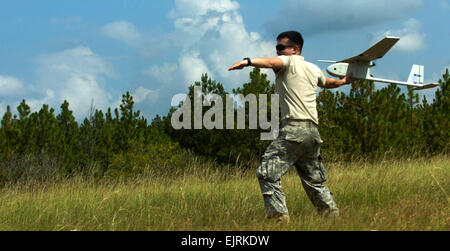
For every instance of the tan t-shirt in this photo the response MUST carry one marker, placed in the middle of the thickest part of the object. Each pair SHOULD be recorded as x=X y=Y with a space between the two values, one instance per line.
x=296 y=84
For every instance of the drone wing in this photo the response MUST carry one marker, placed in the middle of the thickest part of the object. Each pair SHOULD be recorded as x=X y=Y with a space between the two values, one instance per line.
x=375 y=52
x=427 y=86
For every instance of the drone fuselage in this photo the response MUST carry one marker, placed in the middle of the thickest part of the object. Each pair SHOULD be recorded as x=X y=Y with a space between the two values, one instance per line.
x=359 y=70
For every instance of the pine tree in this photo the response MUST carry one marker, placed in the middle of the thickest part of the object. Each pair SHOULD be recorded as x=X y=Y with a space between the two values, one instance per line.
x=24 y=128
x=10 y=133
x=68 y=145
x=437 y=118
x=127 y=131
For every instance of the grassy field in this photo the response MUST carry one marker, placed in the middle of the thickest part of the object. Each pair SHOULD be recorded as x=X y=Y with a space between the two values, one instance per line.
x=390 y=195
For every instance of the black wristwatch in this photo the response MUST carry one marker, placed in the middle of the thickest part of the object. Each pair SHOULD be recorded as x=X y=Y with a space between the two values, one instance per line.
x=249 y=61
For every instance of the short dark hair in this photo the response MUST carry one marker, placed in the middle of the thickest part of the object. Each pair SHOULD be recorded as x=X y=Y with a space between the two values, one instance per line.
x=294 y=36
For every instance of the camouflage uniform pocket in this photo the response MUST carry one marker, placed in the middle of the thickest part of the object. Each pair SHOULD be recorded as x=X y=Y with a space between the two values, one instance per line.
x=276 y=161
x=323 y=172
x=312 y=170
x=294 y=133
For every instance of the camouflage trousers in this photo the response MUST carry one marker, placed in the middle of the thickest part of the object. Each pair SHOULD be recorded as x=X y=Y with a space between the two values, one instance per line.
x=298 y=144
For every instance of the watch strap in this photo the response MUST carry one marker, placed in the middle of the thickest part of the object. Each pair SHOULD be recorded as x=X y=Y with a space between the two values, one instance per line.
x=249 y=61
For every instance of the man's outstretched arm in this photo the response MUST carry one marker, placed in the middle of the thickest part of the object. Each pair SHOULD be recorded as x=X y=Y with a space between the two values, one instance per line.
x=273 y=63
x=332 y=83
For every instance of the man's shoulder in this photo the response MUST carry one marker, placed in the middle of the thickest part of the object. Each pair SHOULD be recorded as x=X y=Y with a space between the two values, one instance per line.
x=286 y=60
x=312 y=65
x=302 y=59
x=317 y=71
x=314 y=68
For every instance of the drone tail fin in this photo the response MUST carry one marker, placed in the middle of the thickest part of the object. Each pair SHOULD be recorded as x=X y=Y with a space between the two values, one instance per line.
x=416 y=75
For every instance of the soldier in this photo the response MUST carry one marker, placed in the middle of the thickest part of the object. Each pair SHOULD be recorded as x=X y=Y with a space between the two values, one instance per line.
x=298 y=142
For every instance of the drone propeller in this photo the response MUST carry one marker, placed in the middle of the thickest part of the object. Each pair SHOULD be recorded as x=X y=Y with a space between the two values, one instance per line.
x=327 y=61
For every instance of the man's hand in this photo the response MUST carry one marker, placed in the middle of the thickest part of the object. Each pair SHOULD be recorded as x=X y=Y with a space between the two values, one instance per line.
x=238 y=65
x=348 y=79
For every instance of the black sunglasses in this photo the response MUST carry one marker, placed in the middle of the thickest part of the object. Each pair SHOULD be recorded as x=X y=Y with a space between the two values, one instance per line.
x=282 y=47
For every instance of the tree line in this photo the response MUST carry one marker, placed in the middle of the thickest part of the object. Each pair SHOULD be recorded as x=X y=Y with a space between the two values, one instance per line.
x=364 y=123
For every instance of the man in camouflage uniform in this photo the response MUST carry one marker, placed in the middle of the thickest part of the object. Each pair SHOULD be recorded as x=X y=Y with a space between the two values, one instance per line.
x=298 y=142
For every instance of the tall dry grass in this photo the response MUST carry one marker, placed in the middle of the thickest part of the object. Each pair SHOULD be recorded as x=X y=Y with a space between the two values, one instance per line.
x=389 y=195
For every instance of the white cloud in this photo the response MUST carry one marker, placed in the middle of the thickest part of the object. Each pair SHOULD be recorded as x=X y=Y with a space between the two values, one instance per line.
x=76 y=75
x=163 y=74
x=313 y=17
x=77 y=60
x=12 y=91
x=444 y=4
x=10 y=87
x=82 y=90
x=209 y=35
x=141 y=94
x=123 y=31
x=189 y=8
x=411 y=39
x=192 y=68
x=214 y=36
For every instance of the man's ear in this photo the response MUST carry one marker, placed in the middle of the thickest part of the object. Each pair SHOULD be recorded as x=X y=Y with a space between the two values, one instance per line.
x=298 y=50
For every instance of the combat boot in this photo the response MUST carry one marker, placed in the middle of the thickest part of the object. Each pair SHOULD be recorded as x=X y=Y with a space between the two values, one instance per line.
x=283 y=219
x=330 y=213
x=280 y=218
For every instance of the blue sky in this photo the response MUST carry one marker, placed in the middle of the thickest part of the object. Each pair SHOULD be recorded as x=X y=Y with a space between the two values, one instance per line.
x=94 y=51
